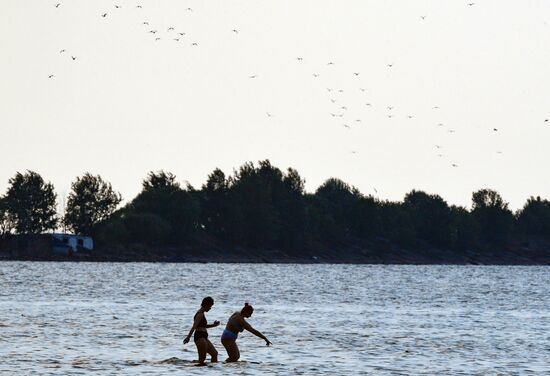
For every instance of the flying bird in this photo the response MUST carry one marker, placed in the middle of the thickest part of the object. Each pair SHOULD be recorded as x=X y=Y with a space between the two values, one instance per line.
x=50 y=76
x=495 y=129
x=470 y=4
x=194 y=44
x=546 y=120
x=139 y=6
x=104 y=15
x=189 y=9
x=145 y=23
x=118 y=6
x=390 y=108
x=330 y=63
x=57 y=5
x=315 y=75
x=333 y=100
x=73 y=57
x=368 y=104
x=356 y=73
x=235 y=31
x=157 y=38
x=253 y=76
x=300 y=58
x=362 y=89
x=347 y=126
x=454 y=165
x=268 y=114
x=423 y=17
x=390 y=65
x=170 y=28
x=61 y=51
x=177 y=39
x=182 y=34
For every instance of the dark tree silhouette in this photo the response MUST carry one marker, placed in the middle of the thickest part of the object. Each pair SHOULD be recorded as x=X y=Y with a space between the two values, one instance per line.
x=7 y=222
x=91 y=201
x=430 y=215
x=534 y=217
x=31 y=203
x=495 y=220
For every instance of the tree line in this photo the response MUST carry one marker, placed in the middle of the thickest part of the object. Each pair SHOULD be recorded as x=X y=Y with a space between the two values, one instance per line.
x=261 y=206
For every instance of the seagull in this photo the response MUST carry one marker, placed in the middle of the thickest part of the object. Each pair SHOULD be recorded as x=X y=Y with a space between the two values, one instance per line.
x=353 y=152
x=170 y=28
x=157 y=38
x=390 y=65
x=333 y=115
x=268 y=114
x=57 y=5
x=495 y=129
x=194 y=44
x=182 y=34
x=356 y=73
x=375 y=190
x=362 y=89
x=118 y=6
x=299 y=58
x=357 y=120
x=329 y=89
x=254 y=76
x=470 y=4
x=177 y=39
x=368 y=104
x=440 y=155
x=390 y=108
x=410 y=116
x=330 y=63
x=73 y=57
x=189 y=9
x=343 y=108
x=347 y=126
x=390 y=116
x=435 y=107
x=454 y=165
x=152 y=31
x=315 y=75
x=145 y=23
x=61 y=51
x=50 y=76
x=451 y=131
x=438 y=146
x=499 y=152
x=340 y=91
x=546 y=120
x=104 y=15
x=333 y=100
x=139 y=6
x=235 y=31
x=440 y=124
x=423 y=17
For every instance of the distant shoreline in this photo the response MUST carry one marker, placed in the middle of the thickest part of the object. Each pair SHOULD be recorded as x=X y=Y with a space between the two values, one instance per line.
x=354 y=252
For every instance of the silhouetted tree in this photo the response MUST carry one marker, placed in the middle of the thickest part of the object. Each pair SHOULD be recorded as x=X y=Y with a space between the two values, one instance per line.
x=396 y=223
x=163 y=196
x=464 y=229
x=7 y=222
x=256 y=220
x=430 y=216
x=214 y=204
x=335 y=201
x=31 y=203
x=91 y=201
x=491 y=212
x=534 y=217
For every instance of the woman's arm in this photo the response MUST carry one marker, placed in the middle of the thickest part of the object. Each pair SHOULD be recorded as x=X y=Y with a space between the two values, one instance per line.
x=198 y=319
x=257 y=333
x=216 y=323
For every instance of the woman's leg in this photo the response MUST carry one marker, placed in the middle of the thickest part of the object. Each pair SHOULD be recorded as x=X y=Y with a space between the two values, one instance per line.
x=212 y=351
x=232 y=350
x=202 y=346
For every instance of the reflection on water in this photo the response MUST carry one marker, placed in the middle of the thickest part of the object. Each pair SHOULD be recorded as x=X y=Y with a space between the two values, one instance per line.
x=81 y=318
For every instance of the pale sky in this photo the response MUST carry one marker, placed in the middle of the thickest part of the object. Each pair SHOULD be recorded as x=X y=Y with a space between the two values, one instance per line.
x=129 y=104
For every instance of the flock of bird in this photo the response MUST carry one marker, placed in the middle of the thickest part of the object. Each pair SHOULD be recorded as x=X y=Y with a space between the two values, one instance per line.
x=339 y=111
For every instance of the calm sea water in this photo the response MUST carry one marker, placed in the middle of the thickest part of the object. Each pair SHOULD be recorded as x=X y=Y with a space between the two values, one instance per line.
x=107 y=318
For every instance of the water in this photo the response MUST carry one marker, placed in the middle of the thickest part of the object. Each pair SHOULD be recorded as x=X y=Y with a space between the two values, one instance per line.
x=107 y=318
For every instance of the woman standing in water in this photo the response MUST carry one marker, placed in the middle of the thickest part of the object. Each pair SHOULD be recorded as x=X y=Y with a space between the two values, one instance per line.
x=201 y=335
x=236 y=324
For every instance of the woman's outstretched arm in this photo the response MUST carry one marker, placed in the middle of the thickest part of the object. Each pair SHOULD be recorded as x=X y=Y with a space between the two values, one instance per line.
x=257 y=333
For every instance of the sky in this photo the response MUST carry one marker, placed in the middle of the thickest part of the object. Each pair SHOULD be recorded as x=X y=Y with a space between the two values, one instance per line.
x=447 y=97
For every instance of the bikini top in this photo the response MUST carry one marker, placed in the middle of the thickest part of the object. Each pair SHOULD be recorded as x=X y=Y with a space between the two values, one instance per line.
x=203 y=322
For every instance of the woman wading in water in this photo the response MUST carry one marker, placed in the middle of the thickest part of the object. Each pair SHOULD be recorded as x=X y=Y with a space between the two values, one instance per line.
x=201 y=335
x=236 y=324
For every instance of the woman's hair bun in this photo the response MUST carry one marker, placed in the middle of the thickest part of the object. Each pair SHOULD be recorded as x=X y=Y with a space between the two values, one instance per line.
x=246 y=304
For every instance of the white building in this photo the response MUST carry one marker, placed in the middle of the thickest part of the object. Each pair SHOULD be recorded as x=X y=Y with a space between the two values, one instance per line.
x=69 y=244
